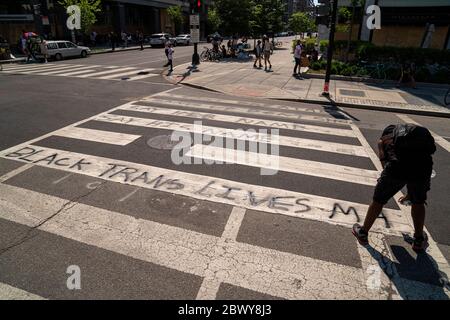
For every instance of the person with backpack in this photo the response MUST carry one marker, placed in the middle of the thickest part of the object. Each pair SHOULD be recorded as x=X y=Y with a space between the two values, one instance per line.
x=405 y=152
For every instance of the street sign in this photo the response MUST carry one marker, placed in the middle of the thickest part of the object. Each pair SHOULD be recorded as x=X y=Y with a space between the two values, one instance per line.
x=194 y=20
x=195 y=35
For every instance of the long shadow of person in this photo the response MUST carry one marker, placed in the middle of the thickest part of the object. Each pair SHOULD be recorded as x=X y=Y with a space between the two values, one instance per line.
x=416 y=278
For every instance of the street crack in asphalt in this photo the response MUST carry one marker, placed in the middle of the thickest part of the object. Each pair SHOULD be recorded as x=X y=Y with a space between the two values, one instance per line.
x=30 y=234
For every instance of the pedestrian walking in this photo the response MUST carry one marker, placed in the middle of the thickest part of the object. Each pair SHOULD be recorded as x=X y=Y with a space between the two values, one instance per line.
x=112 y=40
x=44 y=50
x=141 y=40
x=266 y=50
x=93 y=38
x=166 y=51
x=258 y=54
x=405 y=152
x=170 y=53
x=124 y=37
x=297 y=57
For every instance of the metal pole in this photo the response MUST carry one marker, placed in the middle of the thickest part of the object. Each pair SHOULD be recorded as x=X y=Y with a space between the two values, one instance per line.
x=195 y=56
x=326 y=87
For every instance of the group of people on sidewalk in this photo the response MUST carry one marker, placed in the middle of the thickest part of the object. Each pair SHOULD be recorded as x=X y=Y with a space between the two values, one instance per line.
x=113 y=40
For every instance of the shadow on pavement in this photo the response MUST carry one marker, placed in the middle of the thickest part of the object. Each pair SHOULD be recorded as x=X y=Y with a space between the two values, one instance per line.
x=415 y=96
x=415 y=278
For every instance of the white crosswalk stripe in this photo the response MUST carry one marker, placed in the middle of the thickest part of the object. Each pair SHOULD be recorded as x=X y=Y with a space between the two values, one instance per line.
x=97 y=136
x=220 y=259
x=112 y=73
x=236 y=134
x=241 y=120
x=31 y=66
x=278 y=163
x=66 y=71
x=48 y=69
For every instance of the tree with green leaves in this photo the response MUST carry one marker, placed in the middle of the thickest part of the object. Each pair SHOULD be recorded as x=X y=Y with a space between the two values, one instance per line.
x=175 y=14
x=235 y=16
x=300 y=22
x=354 y=4
x=88 y=9
x=267 y=16
x=214 y=21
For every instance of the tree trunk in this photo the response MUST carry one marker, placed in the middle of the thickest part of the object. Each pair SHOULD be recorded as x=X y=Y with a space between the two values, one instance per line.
x=350 y=33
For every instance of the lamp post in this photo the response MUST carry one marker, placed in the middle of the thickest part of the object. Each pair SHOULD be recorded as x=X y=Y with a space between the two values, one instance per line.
x=195 y=11
x=326 y=86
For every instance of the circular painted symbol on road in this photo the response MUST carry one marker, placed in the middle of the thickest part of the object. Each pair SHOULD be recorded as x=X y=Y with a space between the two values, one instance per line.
x=162 y=143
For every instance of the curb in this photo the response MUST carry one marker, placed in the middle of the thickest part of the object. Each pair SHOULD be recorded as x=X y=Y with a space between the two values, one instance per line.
x=373 y=108
x=342 y=104
x=368 y=80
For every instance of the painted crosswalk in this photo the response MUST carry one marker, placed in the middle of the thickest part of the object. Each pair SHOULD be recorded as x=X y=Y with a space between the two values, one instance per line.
x=103 y=150
x=84 y=71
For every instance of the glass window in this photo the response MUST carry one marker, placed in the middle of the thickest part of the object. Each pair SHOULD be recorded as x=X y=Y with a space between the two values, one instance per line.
x=52 y=46
x=70 y=45
x=62 y=45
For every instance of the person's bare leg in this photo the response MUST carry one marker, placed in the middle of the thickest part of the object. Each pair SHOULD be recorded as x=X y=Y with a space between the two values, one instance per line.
x=372 y=215
x=418 y=216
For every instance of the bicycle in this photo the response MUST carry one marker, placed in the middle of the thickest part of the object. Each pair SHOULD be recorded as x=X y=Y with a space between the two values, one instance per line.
x=447 y=98
x=210 y=55
x=377 y=72
x=374 y=71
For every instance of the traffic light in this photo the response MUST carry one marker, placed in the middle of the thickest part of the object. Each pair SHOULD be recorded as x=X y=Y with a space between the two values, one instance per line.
x=196 y=6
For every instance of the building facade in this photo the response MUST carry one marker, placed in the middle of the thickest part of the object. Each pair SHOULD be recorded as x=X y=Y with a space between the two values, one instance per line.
x=404 y=23
x=47 y=17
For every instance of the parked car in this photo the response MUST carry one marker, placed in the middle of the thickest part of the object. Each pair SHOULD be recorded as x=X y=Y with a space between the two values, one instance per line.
x=184 y=39
x=160 y=39
x=59 y=50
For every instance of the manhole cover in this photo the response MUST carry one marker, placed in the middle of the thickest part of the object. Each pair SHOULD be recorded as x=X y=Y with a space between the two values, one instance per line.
x=352 y=93
x=162 y=143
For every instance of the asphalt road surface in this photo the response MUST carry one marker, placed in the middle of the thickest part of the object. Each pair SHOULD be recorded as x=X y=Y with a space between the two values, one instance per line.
x=94 y=206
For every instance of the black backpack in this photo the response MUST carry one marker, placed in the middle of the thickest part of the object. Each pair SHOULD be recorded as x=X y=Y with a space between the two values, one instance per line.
x=412 y=141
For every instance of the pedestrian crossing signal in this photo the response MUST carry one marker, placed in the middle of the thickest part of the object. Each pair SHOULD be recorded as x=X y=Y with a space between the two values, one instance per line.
x=196 y=6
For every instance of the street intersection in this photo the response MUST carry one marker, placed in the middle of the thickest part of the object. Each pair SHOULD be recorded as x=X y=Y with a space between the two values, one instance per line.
x=87 y=180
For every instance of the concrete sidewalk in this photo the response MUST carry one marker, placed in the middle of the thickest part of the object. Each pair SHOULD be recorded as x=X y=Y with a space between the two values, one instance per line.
x=237 y=77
